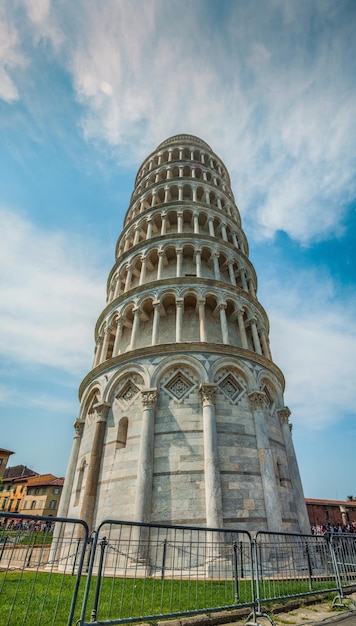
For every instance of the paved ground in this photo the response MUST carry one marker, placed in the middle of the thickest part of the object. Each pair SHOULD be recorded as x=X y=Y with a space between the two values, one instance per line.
x=320 y=614
x=317 y=614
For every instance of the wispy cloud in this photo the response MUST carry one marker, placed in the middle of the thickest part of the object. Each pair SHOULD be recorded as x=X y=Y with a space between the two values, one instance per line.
x=275 y=95
x=290 y=134
x=50 y=290
x=313 y=339
x=11 y=56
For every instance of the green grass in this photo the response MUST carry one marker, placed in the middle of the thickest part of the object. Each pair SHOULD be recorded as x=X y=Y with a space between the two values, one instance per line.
x=43 y=599
x=25 y=538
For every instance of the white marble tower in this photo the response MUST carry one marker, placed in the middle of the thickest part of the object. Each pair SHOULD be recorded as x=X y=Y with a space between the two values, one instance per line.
x=182 y=418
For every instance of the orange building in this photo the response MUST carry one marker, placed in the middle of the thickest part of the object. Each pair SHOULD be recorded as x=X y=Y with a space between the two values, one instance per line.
x=42 y=495
x=13 y=487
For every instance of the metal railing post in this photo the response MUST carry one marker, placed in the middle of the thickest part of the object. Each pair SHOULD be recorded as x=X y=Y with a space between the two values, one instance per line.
x=310 y=573
x=6 y=538
x=164 y=558
x=94 y=611
x=236 y=575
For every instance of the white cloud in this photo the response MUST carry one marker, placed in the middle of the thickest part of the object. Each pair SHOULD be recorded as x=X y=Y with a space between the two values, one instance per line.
x=313 y=341
x=273 y=91
x=279 y=110
x=51 y=291
x=11 y=57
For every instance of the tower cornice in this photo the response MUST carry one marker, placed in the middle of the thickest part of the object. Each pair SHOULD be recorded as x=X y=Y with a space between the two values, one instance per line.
x=184 y=348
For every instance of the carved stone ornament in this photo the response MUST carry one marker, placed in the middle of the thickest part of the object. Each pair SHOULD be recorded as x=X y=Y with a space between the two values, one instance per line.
x=128 y=393
x=78 y=427
x=179 y=386
x=231 y=388
x=208 y=392
x=258 y=400
x=284 y=414
x=149 y=397
x=101 y=411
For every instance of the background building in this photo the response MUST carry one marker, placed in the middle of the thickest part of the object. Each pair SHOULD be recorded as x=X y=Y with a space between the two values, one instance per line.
x=4 y=457
x=13 y=487
x=182 y=417
x=332 y=512
x=42 y=495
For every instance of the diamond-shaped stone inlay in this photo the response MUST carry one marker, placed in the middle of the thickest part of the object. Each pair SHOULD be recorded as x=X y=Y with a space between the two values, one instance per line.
x=270 y=400
x=231 y=388
x=128 y=392
x=179 y=386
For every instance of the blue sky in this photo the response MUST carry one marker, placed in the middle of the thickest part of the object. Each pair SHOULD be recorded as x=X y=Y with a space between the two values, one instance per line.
x=87 y=89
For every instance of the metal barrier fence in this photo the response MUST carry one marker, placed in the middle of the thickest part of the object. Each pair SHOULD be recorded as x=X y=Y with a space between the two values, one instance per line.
x=288 y=566
x=146 y=571
x=343 y=551
x=53 y=573
x=40 y=569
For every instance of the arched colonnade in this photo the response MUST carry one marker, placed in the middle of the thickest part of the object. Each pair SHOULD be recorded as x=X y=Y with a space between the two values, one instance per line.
x=180 y=220
x=184 y=192
x=182 y=259
x=192 y=316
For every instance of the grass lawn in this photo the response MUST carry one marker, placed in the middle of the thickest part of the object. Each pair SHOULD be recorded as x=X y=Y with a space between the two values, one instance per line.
x=44 y=598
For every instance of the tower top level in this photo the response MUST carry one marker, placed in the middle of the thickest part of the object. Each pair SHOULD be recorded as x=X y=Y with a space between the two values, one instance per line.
x=184 y=138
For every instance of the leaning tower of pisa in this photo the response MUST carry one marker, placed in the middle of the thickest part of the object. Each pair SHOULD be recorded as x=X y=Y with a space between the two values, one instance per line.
x=182 y=418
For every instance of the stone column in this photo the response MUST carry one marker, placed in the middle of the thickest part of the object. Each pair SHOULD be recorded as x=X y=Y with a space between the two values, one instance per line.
x=128 y=277
x=265 y=345
x=179 y=319
x=215 y=256
x=255 y=337
x=143 y=495
x=198 y=262
x=243 y=280
x=99 y=345
x=117 y=286
x=230 y=264
x=70 y=473
x=167 y=194
x=66 y=491
x=137 y=235
x=149 y=228
x=155 y=325
x=223 y=322
x=213 y=499
x=180 y=221
x=202 y=328
x=143 y=270
x=251 y=288
x=92 y=479
x=242 y=329
x=116 y=348
x=179 y=252
x=160 y=254
x=104 y=350
x=302 y=514
x=136 y=321
x=164 y=224
x=223 y=232
x=258 y=403
x=196 y=223
x=234 y=240
x=211 y=226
